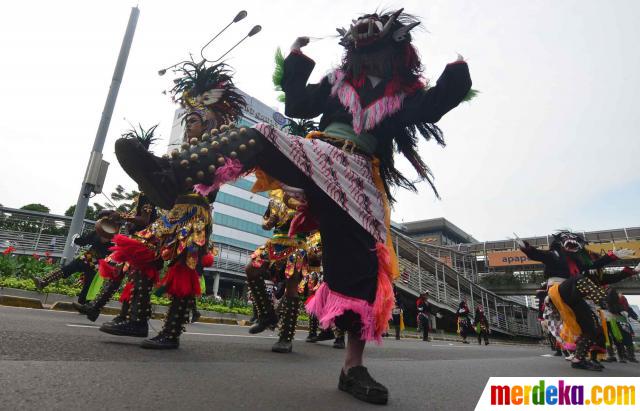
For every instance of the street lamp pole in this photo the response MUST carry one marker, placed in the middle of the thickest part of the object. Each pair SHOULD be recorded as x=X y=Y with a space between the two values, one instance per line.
x=96 y=168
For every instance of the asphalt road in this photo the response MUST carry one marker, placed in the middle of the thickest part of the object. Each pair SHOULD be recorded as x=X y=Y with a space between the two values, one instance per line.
x=59 y=360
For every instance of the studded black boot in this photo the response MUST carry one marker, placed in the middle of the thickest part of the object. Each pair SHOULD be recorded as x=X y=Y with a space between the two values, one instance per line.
x=267 y=317
x=313 y=329
x=49 y=278
x=288 y=321
x=93 y=308
x=136 y=322
x=631 y=353
x=177 y=317
x=580 y=361
x=339 y=341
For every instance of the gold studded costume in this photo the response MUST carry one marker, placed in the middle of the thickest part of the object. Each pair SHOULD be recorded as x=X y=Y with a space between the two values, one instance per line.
x=283 y=255
x=183 y=232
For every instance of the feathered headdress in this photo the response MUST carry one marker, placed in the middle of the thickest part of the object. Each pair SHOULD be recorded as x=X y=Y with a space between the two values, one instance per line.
x=211 y=87
x=145 y=137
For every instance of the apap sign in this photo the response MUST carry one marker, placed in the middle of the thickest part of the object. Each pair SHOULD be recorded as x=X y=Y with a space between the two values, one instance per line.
x=508 y=258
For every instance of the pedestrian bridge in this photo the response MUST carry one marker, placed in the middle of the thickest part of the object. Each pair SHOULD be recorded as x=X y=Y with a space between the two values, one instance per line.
x=448 y=275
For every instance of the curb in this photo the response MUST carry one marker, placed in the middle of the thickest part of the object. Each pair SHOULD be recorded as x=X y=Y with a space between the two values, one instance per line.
x=22 y=302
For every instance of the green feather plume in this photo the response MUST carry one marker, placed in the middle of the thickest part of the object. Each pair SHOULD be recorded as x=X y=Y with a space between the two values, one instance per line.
x=473 y=93
x=278 y=73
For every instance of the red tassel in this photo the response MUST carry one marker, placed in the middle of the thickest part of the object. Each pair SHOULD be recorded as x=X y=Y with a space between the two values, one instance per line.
x=131 y=251
x=181 y=281
x=207 y=260
x=107 y=271
x=126 y=292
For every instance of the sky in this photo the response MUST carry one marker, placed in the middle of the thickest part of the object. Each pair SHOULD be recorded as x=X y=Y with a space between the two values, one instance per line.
x=551 y=141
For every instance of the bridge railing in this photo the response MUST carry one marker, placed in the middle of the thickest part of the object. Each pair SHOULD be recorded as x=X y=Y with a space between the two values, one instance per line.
x=420 y=271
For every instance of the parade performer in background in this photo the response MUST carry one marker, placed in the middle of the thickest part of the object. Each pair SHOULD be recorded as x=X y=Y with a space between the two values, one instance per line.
x=397 y=313
x=481 y=324
x=578 y=291
x=464 y=322
x=282 y=258
x=311 y=282
x=619 y=326
x=424 y=311
x=374 y=103
x=95 y=245
x=311 y=279
x=179 y=238
x=141 y=214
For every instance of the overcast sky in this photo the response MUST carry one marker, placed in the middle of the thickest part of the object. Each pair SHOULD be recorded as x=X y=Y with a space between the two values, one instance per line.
x=551 y=142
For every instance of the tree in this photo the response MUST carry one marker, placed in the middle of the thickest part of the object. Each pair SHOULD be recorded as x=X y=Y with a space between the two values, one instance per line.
x=90 y=214
x=36 y=207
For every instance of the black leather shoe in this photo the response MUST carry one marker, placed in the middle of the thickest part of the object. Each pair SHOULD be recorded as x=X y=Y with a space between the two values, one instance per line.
x=263 y=324
x=339 y=343
x=195 y=316
x=161 y=342
x=312 y=338
x=126 y=328
x=361 y=385
x=585 y=365
x=81 y=308
x=325 y=335
x=282 y=346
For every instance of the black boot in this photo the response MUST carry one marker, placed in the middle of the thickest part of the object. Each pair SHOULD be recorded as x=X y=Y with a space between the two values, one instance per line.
x=290 y=308
x=594 y=360
x=339 y=341
x=266 y=314
x=49 y=278
x=313 y=329
x=135 y=323
x=361 y=385
x=108 y=289
x=580 y=361
x=162 y=179
x=177 y=317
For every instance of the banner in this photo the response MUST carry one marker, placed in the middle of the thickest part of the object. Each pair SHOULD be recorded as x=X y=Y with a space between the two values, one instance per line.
x=508 y=258
x=603 y=248
x=517 y=257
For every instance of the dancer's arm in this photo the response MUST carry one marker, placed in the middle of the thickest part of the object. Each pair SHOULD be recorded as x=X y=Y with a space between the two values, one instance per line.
x=430 y=104
x=302 y=100
x=86 y=239
x=612 y=278
x=544 y=256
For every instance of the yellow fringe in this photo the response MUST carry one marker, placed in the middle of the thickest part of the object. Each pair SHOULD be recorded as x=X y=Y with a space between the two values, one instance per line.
x=377 y=180
x=570 y=328
x=605 y=327
x=264 y=182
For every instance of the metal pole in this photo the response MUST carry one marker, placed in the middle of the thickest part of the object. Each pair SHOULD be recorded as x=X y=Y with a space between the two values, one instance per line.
x=101 y=134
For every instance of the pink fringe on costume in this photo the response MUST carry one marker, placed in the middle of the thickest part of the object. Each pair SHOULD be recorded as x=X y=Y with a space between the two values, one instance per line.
x=369 y=117
x=327 y=304
x=231 y=170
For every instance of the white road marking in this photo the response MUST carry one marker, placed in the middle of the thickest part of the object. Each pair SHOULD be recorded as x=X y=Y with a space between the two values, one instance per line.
x=547 y=355
x=82 y=326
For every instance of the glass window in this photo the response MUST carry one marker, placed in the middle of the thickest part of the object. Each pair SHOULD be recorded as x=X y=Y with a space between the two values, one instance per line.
x=240 y=224
x=232 y=241
x=241 y=203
